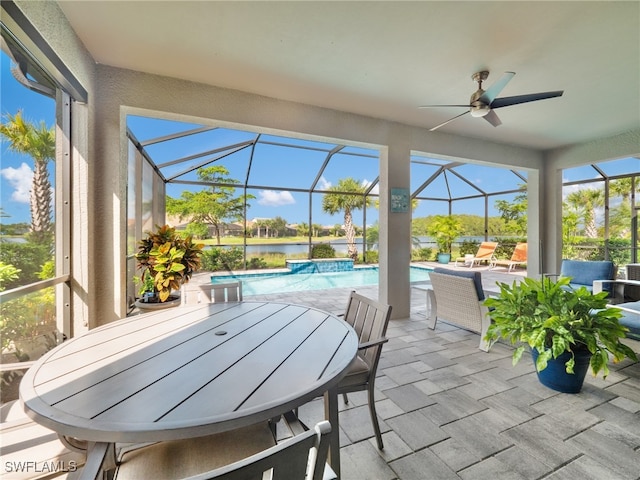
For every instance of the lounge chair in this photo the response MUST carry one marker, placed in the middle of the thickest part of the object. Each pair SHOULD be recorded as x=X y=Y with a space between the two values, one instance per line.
x=519 y=257
x=485 y=254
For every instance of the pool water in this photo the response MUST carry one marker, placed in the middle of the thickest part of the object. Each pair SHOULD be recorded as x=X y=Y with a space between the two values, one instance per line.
x=264 y=284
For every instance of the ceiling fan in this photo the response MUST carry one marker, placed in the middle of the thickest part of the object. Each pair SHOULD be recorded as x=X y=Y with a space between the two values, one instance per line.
x=483 y=102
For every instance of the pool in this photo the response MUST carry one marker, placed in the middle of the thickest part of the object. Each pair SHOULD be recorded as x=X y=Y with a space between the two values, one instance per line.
x=265 y=283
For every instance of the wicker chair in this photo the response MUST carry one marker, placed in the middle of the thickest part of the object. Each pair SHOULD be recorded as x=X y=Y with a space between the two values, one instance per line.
x=456 y=297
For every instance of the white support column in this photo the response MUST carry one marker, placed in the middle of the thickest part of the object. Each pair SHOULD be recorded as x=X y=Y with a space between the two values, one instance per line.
x=395 y=230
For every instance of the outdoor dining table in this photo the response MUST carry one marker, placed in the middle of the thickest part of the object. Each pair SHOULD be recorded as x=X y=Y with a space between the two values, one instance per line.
x=188 y=372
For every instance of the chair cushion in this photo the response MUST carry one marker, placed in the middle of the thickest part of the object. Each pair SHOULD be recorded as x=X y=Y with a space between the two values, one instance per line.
x=476 y=276
x=583 y=273
x=357 y=374
x=183 y=458
x=631 y=320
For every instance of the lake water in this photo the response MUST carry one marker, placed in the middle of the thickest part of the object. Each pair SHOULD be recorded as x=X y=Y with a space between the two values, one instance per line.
x=340 y=246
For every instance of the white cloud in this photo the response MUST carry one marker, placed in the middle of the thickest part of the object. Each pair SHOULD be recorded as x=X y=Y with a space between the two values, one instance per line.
x=375 y=190
x=323 y=184
x=20 y=180
x=271 y=198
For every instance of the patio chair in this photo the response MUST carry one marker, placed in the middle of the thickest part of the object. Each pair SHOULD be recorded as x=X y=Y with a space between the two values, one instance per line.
x=193 y=293
x=631 y=319
x=485 y=253
x=235 y=455
x=519 y=257
x=632 y=293
x=369 y=319
x=456 y=297
x=584 y=273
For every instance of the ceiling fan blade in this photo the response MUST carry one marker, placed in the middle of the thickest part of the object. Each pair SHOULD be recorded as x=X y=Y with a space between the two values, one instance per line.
x=450 y=120
x=532 y=97
x=492 y=92
x=492 y=118
x=439 y=106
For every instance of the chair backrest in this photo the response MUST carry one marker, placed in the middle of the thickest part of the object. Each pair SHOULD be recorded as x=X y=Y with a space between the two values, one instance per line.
x=458 y=297
x=193 y=293
x=475 y=276
x=486 y=250
x=519 y=253
x=370 y=320
x=298 y=458
x=584 y=272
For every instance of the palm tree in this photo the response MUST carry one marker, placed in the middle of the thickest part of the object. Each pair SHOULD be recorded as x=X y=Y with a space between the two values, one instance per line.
x=585 y=202
x=39 y=142
x=621 y=187
x=346 y=196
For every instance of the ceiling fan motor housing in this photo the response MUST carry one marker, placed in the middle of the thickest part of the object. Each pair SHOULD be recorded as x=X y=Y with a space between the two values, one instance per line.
x=478 y=108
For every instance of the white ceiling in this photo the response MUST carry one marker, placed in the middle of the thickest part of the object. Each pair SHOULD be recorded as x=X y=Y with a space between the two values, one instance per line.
x=384 y=59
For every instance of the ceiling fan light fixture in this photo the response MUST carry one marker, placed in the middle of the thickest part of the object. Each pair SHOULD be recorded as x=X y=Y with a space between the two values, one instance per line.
x=479 y=110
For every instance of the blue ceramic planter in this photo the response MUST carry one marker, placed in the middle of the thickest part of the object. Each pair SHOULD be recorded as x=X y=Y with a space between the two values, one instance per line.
x=444 y=258
x=555 y=375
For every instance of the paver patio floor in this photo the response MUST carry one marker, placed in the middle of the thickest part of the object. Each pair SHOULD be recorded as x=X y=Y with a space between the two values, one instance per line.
x=450 y=411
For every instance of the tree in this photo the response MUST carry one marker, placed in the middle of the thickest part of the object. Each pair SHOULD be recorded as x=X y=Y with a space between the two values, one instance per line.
x=211 y=205
x=317 y=229
x=584 y=203
x=39 y=142
x=346 y=196
x=514 y=214
x=302 y=229
x=278 y=226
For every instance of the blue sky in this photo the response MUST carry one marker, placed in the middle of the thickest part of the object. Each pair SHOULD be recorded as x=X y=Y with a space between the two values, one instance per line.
x=275 y=166
x=272 y=166
x=16 y=170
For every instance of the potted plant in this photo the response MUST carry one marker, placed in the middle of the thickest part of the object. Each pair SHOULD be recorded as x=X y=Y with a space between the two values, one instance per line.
x=568 y=330
x=444 y=229
x=167 y=260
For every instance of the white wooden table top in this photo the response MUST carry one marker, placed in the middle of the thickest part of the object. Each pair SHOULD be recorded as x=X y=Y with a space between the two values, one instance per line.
x=188 y=371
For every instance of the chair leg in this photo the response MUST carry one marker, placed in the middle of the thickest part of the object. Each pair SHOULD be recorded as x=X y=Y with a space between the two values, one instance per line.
x=374 y=417
x=345 y=398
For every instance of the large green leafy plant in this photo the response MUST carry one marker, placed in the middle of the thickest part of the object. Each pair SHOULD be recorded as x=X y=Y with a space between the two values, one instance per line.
x=444 y=229
x=553 y=318
x=169 y=259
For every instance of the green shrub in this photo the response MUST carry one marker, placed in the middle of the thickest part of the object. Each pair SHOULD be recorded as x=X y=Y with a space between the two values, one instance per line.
x=468 y=246
x=323 y=250
x=620 y=250
x=28 y=257
x=217 y=258
x=256 y=263
x=372 y=256
x=421 y=254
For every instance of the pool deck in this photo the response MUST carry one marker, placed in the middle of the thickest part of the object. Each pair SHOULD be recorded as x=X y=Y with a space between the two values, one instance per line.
x=451 y=411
